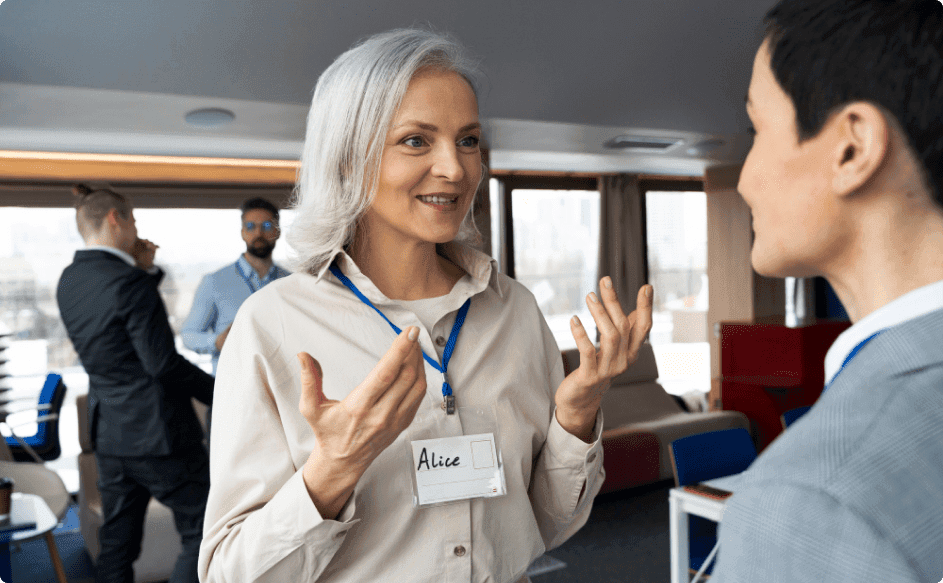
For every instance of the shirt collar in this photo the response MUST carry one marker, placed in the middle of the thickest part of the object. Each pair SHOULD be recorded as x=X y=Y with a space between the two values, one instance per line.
x=482 y=269
x=914 y=304
x=248 y=271
x=114 y=251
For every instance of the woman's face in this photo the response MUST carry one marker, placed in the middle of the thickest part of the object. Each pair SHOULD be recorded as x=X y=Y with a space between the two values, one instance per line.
x=431 y=164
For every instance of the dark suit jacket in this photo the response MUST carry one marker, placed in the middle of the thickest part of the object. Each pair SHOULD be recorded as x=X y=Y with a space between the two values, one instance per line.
x=139 y=385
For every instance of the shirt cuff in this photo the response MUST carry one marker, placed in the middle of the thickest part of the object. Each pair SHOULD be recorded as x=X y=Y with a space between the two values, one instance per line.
x=569 y=451
x=306 y=519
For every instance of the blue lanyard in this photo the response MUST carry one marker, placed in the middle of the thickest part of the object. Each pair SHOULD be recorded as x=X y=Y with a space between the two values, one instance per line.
x=245 y=277
x=850 y=356
x=447 y=398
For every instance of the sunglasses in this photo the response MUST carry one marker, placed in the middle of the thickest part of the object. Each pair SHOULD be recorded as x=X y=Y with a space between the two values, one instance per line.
x=266 y=226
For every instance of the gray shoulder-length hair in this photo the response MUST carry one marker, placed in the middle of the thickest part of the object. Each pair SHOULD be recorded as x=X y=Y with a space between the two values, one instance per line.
x=353 y=107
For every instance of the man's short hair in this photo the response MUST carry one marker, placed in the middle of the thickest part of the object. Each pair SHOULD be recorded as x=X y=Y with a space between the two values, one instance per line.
x=92 y=206
x=828 y=53
x=259 y=203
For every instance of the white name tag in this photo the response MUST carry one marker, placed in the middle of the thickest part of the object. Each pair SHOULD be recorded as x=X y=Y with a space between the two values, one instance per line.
x=457 y=468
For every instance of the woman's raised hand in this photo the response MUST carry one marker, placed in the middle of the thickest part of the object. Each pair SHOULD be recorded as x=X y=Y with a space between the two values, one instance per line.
x=620 y=338
x=353 y=432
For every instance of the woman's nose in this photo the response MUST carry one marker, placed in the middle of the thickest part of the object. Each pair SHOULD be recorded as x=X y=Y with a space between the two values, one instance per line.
x=448 y=164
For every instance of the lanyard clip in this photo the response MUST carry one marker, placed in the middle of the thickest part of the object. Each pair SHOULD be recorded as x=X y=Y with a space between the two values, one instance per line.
x=448 y=403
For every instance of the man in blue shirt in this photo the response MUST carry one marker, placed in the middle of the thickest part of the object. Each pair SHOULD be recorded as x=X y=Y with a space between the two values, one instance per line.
x=222 y=292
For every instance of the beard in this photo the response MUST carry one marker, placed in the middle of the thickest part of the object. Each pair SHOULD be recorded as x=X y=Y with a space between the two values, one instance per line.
x=260 y=248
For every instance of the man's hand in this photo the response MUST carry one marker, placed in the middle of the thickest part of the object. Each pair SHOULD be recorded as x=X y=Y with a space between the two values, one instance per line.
x=143 y=253
x=353 y=432
x=621 y=337
x=221 y=339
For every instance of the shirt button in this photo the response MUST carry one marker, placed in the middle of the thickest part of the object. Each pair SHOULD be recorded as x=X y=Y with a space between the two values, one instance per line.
x=440 y=341
x=459 y=551
x=591 y=458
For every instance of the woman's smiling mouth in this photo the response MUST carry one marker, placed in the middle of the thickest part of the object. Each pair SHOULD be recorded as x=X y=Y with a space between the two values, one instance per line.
x=439 y=202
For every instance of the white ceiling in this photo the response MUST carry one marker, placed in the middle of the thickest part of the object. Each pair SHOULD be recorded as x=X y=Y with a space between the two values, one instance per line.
x=562 y=77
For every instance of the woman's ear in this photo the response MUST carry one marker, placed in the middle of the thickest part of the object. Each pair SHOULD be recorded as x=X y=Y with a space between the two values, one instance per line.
x=863 y=135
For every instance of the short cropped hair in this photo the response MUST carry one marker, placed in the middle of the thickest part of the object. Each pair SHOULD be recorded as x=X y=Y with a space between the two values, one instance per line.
x=259 y=203
x=353 y=106
x=92 y=206
x=828 y=53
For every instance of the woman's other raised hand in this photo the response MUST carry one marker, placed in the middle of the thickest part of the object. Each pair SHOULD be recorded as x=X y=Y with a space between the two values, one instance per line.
x=620 y=338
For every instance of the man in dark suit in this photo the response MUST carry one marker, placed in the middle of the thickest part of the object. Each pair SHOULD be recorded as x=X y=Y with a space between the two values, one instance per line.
x=148 y=440
x=845 y=180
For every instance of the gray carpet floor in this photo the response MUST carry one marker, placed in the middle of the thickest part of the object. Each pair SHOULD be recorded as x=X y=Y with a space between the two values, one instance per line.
x=625 y=540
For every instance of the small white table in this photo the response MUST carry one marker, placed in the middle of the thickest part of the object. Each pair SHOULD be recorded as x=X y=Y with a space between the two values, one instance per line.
x=31 y=508
x=681 y=503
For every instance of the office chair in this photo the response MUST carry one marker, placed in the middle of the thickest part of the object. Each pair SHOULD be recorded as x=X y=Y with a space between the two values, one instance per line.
x=31 y=478
x=792 y=415
x=705 y=456
x=44 y=444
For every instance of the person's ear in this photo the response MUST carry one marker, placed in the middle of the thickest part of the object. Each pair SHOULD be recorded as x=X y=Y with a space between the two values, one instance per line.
x=862 y=143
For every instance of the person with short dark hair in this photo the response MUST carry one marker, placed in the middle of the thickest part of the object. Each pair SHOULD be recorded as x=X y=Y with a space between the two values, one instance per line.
x=148 y=440
x=845 y=181
x=220 y=293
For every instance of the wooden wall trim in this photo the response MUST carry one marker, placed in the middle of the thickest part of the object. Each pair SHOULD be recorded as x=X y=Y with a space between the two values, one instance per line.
x=77 y=167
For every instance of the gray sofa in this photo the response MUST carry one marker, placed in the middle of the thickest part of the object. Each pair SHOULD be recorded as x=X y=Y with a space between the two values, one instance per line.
x=641 y=420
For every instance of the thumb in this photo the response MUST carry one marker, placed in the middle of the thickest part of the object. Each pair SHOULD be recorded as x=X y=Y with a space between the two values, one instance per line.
x=312 y=395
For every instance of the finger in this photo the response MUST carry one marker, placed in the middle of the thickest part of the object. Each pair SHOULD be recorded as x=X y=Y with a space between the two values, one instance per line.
x=608 y=333
x=585 y=346
x=312 y=394
x=610 y=301
x=411 y=373
x=412 y=400
x=641 y=319
x=385 y=373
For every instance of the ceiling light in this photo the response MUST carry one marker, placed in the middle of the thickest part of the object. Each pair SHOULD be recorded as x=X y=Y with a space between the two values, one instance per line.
x=705 y=147
x=209 y=117
x=652 y=143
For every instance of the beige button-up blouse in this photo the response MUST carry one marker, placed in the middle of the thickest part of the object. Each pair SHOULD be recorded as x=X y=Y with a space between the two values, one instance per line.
x=260 y=522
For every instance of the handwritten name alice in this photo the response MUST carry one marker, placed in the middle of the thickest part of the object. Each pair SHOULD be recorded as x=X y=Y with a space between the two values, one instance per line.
x=430 y=462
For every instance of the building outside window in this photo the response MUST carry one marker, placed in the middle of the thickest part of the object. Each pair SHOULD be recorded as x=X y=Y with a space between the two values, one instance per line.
x=676 y=224
x=38 y=244
x=556 y=254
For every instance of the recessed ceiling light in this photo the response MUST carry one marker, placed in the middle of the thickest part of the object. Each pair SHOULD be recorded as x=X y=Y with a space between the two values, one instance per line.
x=706 y=146
x=630 y=142
x=209 y=117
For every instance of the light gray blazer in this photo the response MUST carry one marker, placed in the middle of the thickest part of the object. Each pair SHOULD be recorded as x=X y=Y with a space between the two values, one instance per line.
x=853 y=491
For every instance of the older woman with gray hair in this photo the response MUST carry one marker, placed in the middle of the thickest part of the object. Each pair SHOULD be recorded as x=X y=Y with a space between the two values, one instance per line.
x=432 y=435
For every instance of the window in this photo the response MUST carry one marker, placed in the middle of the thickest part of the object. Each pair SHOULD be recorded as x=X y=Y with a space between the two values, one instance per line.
x=676 y=225
x=35 y=247
x=553 y=246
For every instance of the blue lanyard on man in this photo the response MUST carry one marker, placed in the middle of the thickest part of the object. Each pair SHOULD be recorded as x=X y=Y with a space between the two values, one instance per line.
x=247 y=279
x=448 y=399
x=850 y=356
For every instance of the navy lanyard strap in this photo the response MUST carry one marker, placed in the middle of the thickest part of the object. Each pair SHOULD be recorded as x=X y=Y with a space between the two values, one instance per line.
x=850 y=356
x=449 y=346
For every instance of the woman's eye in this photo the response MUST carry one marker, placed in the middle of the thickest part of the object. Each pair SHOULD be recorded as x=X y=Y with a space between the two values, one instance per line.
x=469 y=142
x=414 y=142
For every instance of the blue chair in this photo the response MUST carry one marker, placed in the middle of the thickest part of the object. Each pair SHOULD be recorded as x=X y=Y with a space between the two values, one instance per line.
x=44 y=444
x=792 y=415
x=702 y=457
